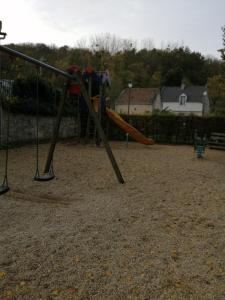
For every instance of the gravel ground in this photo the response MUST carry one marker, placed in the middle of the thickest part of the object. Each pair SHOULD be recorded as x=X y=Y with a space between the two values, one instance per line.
x=84 y=236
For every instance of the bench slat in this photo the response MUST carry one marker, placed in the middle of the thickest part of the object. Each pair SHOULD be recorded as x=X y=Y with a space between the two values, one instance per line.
x=216 y=144
x=217 y=138
x=217 y=147
x=218 y=134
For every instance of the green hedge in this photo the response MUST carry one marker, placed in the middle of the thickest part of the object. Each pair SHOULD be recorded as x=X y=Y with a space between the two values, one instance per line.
x=170 y=128
x=24 y=95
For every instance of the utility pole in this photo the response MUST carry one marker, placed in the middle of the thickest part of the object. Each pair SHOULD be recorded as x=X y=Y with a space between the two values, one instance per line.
x=128 y=108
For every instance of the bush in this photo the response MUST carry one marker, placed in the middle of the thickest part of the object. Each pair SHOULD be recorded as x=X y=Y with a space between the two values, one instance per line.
x=171 y=128
x=24 y=98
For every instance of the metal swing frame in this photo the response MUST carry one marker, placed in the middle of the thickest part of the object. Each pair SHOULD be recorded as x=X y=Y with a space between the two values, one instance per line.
x=4 y=187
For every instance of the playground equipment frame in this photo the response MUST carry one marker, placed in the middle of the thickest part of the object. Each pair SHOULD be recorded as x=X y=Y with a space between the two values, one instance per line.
x=54 y=139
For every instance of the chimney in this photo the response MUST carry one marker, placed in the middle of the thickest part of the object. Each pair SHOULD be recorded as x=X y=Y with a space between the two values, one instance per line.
x=183 y=85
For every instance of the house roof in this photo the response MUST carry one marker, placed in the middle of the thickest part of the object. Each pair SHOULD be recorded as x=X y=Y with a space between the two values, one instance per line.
x=138 y=96
x=193 y=93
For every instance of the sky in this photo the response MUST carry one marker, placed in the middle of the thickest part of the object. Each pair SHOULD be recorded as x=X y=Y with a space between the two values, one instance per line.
x=192 y=23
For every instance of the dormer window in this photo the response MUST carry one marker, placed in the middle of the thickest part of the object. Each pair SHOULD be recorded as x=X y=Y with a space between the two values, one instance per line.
x=183 y=99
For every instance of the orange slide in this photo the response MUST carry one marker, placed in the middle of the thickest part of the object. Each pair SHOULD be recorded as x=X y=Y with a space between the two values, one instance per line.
x=136 y=135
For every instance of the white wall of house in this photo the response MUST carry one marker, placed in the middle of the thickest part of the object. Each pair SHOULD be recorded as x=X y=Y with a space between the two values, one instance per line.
x=134 y=109
x=194 y=108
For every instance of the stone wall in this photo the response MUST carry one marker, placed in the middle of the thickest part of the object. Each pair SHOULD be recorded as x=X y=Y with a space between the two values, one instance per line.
x=22 y=128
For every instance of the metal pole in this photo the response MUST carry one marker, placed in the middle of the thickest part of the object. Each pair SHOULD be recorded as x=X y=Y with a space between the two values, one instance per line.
x=35 y=61
x=128 y=115
x=2 y=34
x=1 y=121
x=129 y=104
x=1 y=113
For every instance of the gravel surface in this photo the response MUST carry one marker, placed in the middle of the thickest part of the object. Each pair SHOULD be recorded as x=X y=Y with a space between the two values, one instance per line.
x=84 y=236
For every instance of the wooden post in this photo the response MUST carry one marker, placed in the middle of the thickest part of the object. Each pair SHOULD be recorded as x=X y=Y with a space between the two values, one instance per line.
x=55 y=132
x=100 y=131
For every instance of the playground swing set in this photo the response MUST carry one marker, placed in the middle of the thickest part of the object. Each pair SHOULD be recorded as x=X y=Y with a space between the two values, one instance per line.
x=91 y=101
x=91 y=117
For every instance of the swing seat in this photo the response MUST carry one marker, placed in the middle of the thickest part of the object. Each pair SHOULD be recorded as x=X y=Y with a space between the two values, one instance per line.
x=45 y=177
x=4 y=189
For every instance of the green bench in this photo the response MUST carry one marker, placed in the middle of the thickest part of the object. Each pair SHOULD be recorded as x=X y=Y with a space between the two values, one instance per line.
x=217 y=141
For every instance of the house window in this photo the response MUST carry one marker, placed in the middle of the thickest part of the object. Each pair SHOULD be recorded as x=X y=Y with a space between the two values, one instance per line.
x=183 y=99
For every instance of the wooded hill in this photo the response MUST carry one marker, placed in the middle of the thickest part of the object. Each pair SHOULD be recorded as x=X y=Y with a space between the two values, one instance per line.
x=144 y=67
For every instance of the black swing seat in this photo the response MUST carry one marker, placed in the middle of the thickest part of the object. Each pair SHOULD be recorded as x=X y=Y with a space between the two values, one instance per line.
x=44 y=177
x=4 y=189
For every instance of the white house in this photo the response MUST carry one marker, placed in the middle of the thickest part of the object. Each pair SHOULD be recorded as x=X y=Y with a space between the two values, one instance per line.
x=185 y=100
x=138 y=101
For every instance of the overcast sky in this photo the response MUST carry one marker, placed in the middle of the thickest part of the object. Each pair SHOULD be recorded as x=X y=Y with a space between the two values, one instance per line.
x=193 y=23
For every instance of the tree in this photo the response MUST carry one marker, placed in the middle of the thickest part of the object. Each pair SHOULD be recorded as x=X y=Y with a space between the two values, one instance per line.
x=156 y=79
x=147 y=44
x=111 y=43
x=146 y=67
x=216 y=89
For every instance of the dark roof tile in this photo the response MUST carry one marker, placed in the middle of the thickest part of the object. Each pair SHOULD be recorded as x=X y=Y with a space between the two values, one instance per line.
x=141 y=96
x=194 y=93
